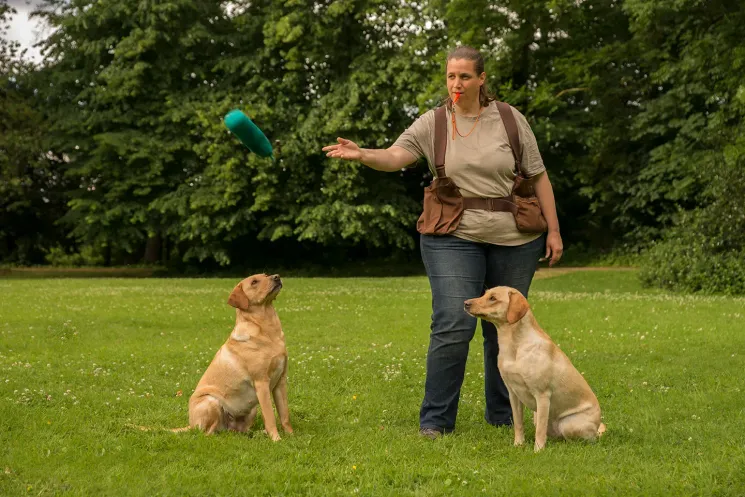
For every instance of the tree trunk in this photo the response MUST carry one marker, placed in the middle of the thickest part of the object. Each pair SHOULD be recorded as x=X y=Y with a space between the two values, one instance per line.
x=107 y=254
x=152 y=249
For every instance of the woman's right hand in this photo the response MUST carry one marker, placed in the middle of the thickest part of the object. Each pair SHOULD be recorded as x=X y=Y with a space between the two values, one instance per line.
x=345 y=149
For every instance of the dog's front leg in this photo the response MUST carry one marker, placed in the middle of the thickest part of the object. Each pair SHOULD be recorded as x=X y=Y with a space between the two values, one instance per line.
x=518 y=415
x=543 y=402
x=251 y=417
x=265 y=401
x=280 y=400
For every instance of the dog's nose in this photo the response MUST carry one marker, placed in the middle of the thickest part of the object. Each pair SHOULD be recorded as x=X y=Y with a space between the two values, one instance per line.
x=275 y=277
x=466 y=305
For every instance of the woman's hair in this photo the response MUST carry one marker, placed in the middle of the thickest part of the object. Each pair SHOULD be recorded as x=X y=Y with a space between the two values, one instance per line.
x=468 y=53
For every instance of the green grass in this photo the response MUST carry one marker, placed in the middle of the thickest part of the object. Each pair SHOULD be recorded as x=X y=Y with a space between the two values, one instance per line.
x=80 y=359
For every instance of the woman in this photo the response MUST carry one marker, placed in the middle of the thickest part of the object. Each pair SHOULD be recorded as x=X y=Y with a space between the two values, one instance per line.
x=486 y=249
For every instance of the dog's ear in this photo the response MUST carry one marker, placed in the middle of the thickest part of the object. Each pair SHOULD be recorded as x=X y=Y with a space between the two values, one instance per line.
x=518 y=307
x=238 y=298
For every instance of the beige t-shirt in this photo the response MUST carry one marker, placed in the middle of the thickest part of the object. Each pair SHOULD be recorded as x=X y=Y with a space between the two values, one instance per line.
x=482 y=165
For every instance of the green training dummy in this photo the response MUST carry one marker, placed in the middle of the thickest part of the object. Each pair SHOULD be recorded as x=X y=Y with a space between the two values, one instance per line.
x=248 y=133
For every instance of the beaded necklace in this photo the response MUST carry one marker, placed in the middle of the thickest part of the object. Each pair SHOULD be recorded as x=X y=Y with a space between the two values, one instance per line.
x=455 y=126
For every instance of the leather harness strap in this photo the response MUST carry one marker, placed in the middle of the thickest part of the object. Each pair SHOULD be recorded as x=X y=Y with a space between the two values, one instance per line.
x=493 y=204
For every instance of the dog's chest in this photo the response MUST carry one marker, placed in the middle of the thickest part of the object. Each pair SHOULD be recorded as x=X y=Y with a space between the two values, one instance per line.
x=520 y=379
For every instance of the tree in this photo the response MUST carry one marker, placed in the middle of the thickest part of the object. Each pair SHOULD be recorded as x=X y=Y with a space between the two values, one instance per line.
x=122 y=78
x=309 y=79
x=31 y=186
x=628 y=113
x=697 y=120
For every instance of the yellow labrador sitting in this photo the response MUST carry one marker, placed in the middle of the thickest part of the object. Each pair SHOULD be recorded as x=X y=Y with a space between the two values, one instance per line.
x=536 y=372
x=249 y=368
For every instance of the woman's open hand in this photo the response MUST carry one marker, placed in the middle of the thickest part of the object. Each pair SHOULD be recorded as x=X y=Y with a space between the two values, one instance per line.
x=345 y=149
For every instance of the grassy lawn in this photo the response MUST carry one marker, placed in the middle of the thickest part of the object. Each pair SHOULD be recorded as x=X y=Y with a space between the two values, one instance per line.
x=82 y=358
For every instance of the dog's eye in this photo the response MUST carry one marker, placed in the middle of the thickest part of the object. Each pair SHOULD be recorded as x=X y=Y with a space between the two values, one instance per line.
x=493 y=298
x=253 y=282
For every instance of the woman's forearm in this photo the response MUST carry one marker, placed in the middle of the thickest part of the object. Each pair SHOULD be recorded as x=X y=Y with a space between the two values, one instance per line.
x=388 y=159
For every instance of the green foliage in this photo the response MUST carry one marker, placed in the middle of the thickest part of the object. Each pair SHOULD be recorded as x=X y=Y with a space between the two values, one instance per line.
x=31 y=187
x=701 y=108
x=144 y=128
x=690 y=263
x=695 y=55
x=122 y=79
x=581 y=255
x=117 y=140
x=87 y=256
x=705 y=251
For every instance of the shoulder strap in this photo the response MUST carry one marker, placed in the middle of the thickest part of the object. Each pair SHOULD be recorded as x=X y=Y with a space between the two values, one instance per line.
x=441 y=140
x=512 y=134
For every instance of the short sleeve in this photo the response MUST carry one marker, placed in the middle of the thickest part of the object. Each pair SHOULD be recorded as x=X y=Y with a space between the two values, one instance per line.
x=532 y=162
x=418 y=138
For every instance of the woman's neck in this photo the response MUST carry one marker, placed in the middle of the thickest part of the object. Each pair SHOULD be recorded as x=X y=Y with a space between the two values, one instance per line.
x=468 y=109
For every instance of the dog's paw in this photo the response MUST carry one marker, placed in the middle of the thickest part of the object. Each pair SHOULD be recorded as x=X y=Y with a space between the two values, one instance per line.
x=274 y=436
x=538 y=447
x=519 y=442
x=601 y=429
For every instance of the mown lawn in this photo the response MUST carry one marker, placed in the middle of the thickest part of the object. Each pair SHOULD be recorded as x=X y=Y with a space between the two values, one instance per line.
x=80 y=359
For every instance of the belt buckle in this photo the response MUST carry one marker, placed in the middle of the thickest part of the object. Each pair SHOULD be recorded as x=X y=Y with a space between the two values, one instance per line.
x=492 y=202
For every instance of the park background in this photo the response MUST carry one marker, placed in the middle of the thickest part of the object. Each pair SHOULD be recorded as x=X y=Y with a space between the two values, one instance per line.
x=115 y=163
x=113 y=151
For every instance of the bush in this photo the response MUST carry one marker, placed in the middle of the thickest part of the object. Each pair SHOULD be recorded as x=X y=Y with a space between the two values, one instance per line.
x=579 y=254
x=705 y=251
x=689 y=264
x=88 y=256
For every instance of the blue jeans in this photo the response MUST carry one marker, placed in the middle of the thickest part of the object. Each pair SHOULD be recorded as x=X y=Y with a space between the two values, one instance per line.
x=459 y=270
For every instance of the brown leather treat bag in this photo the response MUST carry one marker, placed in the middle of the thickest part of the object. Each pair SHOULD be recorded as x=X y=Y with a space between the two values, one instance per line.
x=528 y=215
x=443 y=203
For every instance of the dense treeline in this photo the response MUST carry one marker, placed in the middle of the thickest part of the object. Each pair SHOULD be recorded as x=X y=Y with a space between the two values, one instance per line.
x=113 y=149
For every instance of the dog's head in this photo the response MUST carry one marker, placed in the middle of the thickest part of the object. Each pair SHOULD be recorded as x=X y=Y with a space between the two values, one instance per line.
x=259 y=289
x=500 y=305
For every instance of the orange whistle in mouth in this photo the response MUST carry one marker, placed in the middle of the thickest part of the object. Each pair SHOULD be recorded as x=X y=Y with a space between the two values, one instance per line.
x=457 y=96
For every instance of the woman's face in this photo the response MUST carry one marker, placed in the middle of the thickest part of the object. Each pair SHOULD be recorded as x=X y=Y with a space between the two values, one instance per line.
x=462 y=78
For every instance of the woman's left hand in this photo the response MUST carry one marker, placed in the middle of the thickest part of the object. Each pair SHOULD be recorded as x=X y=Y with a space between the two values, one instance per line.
x=554 y=248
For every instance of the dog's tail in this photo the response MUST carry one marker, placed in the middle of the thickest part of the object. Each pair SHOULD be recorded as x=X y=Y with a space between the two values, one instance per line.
x=601 y=429
x=148 y=428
